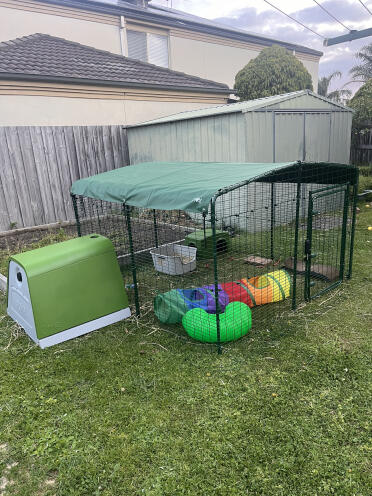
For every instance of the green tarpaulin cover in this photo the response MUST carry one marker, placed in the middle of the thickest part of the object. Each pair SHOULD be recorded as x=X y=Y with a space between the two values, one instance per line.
x=191 y=185
x=169 y=185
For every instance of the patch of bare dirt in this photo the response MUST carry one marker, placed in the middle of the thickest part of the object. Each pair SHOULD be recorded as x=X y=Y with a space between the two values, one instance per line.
x=12 y=241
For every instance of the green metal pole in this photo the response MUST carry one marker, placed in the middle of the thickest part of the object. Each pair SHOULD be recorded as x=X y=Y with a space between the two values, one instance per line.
x=353 y=223
x=344 y=232
x=295 y=249
x=155 y=229
x=74 y=204
x=132 y=259
x=308 y=243
x=99 y=219
x=215 y=268
x=204 y=231
x=272 y=221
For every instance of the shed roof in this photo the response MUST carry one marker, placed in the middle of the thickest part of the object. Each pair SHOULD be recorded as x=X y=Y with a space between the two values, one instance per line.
x=246 y=106
x=47 y=58
x=190 y=186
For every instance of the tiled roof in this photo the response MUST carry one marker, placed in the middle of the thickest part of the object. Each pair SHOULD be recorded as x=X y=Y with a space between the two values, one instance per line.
x=47 y=58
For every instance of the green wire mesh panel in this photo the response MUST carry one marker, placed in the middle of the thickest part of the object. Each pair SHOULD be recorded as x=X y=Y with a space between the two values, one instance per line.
x=262 y=249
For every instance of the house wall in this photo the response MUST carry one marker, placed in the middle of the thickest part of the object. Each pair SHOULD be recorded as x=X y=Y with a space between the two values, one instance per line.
x=211 y=57
x=220 y=60
x=96 y=30
x=32 y=104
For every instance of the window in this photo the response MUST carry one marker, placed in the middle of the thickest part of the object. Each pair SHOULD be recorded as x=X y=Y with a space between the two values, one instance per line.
x=148 y=47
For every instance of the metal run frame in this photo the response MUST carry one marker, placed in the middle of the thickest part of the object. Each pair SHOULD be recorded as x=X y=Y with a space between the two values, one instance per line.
x=125 y=218
x=322 y=191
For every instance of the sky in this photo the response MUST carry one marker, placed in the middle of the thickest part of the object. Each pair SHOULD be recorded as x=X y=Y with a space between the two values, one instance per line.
x=258 y=17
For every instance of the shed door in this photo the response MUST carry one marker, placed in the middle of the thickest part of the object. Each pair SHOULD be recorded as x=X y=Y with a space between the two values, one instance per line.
x=288 y=136
x=302 y=136
x=317 y=136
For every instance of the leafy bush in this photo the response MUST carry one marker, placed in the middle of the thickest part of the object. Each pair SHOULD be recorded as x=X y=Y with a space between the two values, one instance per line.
x=274 y=71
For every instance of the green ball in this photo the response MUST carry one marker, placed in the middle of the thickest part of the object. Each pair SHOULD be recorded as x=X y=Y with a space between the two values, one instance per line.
x=235 y=322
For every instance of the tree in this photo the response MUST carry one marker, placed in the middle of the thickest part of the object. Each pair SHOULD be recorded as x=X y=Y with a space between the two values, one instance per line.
x=335 y=95
x=274 y=71
x=362 y=104
x=363 y=72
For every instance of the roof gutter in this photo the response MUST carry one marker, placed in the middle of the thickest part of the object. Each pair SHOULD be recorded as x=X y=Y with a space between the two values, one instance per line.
x=117 y=84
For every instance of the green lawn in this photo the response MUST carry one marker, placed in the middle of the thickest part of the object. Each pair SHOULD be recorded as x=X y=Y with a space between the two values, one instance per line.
x=133 y=410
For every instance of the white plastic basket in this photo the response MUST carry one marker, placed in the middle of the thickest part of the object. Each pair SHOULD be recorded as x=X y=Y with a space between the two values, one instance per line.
x=174 y=259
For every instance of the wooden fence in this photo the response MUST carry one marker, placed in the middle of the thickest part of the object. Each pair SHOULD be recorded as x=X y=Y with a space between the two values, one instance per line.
x=361 y=148
x=39 y=164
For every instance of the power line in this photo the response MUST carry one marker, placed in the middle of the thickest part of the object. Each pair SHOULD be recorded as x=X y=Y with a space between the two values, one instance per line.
x=331 y=15
x=293 y=19
x=365 y=6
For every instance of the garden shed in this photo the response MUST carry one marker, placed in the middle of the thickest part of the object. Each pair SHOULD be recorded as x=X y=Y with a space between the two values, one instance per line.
x=295 y=126
x=220 y=231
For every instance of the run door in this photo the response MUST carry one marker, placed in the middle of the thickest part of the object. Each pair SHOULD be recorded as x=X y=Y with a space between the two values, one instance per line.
x=325 y=243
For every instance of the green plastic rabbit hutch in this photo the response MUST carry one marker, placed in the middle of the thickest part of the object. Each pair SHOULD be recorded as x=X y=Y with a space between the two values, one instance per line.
x=287 y=227
x=64 y=290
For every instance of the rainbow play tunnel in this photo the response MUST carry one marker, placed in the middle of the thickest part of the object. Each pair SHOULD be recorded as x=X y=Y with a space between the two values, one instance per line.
x=260 y=290
x=275 y=286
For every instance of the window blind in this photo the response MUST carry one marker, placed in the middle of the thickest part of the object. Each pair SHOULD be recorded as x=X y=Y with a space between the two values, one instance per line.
x=148 y=47
x=157 y=49
x=137 y=45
